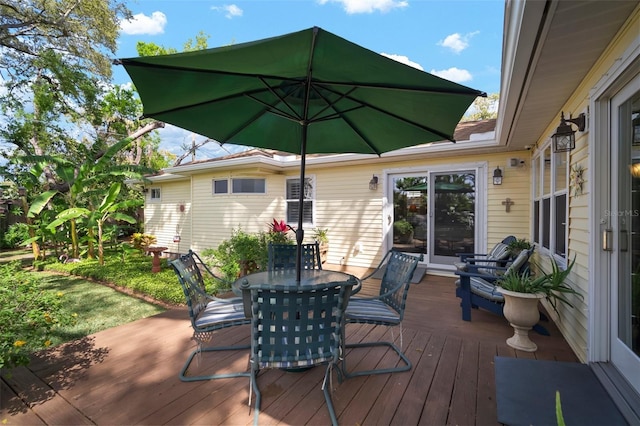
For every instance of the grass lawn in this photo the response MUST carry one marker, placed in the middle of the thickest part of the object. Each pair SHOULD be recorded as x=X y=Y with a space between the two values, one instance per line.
x=97 y=306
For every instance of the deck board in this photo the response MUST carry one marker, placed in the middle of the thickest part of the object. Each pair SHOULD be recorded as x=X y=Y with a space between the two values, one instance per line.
x=129 y=374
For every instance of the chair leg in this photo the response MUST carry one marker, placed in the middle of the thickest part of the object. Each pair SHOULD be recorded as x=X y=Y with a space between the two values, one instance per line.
x=406 y=367
x=326 y=389
x=254 y=385
x=199 y=350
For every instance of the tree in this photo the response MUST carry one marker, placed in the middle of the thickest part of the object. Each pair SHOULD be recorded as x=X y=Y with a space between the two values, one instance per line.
x=483 y=108
x=83 y=32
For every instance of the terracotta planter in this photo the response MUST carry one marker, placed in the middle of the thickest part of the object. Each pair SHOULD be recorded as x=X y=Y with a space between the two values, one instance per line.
x=324 y=249
x=521 y=310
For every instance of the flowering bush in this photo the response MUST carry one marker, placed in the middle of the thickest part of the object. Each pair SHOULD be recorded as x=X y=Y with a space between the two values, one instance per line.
x=279 y=232
x=28 y=314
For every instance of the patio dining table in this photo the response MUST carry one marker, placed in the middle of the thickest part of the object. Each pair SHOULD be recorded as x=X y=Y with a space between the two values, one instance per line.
x=287 y=279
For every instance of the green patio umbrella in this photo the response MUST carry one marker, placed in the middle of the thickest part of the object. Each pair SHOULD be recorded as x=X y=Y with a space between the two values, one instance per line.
x=304 y=92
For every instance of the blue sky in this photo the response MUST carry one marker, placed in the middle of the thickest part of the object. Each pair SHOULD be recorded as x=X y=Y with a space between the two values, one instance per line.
x=454 y=39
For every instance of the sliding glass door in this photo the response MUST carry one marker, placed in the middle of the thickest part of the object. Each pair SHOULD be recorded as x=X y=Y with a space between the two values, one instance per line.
x=433 y=214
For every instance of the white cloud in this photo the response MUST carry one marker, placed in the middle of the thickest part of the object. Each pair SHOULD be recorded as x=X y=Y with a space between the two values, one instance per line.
x=142 y=24
x=454 y=74
x=403 y=59
x=367 y=6
x=457 y=42
x=231 y=10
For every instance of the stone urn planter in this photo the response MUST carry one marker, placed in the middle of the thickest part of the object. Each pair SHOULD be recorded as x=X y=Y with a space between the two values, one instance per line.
x=521 y=310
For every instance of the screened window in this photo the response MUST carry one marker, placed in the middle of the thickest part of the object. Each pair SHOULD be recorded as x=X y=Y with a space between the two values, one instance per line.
x=293 y=200
x=220 y=186
x=550 y=204
x=248 y=186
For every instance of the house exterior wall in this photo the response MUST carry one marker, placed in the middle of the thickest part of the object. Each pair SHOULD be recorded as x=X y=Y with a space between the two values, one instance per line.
x=166 y=218
x=574 y=323
x=344 y=204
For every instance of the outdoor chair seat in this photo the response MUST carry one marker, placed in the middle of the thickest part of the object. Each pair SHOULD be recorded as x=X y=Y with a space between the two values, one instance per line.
x=371 y=312
x=231 y=312
x=385 y=309
x=207 y=312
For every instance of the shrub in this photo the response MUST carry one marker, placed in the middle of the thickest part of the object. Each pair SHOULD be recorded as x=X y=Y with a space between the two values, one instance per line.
x=15 y=235
x=142 y=241
x=241 y=254
x=27 y=315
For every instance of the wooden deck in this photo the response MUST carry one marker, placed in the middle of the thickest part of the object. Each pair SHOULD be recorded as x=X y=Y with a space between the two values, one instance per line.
x=129 y=374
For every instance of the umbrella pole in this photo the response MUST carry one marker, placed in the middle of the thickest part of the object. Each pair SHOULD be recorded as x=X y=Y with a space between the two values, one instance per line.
x=300 y=231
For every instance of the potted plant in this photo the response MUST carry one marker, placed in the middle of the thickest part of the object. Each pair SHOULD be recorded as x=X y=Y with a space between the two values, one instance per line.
x=517 y=245
x=522 y=293
x=320 y=235
x=403 y=231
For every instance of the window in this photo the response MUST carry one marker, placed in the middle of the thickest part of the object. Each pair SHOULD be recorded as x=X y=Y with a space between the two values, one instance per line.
x=248 y=186
x=220 y=186
x=293 y=200
x=155 y=194
x=550 y=201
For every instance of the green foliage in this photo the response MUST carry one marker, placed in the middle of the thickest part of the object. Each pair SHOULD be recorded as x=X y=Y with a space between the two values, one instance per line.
x=133 y=274
x=517 y=245
x=321 y=235
x=241 y=254
x=142 y=241
x=28 y=315
x=16 y=235
x=559 y=416
x=402 y=227
x=551 y=284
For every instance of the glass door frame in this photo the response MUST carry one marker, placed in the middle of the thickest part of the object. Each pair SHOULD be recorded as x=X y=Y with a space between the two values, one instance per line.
x=480 y=234
x=621 y=356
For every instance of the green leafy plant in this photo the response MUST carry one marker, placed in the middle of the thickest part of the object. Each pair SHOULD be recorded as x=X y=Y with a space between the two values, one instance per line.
x=321 y=235
x=551 y=284
x=239 y=255
x=16 y=234
x=402 y=227
x=28 y=315
x=142 y=241
x=517 y=245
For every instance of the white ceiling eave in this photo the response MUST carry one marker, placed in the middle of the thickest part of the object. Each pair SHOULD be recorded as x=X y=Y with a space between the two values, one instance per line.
x=549 y=47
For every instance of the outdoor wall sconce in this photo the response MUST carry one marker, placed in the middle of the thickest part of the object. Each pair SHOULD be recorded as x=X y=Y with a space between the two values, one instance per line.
x=497 y=176
x=373 y=183
x=564 y=139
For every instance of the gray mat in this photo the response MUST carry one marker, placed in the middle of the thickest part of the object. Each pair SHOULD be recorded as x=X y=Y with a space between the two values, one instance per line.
x=526 y=392
x=416 y=278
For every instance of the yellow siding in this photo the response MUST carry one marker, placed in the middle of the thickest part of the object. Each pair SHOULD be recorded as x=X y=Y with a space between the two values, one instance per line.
x=166 y=219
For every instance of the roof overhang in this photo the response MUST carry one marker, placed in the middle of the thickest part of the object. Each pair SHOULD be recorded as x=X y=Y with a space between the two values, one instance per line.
x=548 y=49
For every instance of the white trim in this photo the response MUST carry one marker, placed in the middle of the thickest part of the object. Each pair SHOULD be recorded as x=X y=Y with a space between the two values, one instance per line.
x=599 y=185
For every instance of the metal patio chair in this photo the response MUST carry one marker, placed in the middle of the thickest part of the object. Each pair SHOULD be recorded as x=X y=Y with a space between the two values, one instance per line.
x=295 y=328
x=283 y=256
x=386 y=309
x=207 y=312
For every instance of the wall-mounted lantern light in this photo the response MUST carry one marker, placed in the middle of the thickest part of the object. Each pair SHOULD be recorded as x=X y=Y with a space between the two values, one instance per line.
x=497 y=176
x=373 y=183
x=564 y=139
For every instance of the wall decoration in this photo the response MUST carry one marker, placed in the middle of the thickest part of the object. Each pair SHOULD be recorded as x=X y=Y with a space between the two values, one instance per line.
x=577 y=179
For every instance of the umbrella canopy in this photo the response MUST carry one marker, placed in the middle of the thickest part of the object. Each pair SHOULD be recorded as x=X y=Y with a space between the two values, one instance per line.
x=304 y=92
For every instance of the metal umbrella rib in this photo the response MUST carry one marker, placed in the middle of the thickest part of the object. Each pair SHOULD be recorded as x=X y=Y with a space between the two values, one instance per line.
x=305 y=92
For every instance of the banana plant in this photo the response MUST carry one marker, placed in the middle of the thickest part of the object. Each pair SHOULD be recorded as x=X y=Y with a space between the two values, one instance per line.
x=108 y=209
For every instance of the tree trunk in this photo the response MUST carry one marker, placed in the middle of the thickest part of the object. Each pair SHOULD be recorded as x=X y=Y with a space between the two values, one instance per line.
x=100 y=247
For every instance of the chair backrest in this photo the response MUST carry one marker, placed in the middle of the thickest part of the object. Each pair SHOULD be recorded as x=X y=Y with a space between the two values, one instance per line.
x=283 y=256
x=192 y=283
x=394 y=286
x=499 y=253
x=297 y=327
x=521 y=263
